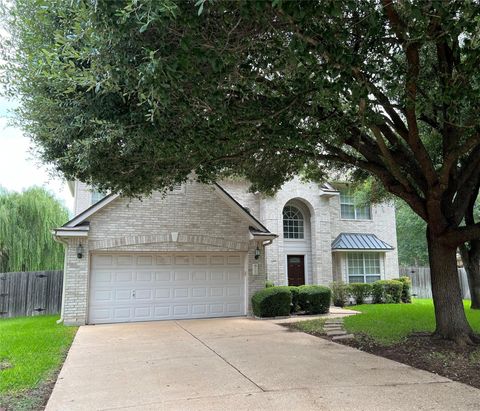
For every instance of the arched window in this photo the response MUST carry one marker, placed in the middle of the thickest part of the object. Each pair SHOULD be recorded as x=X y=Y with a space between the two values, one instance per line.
x=292 y=222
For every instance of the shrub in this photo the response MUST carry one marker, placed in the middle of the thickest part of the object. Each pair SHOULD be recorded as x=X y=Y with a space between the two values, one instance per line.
x=406 y=290
x=387 y=291
x=339 y=293
x=360 y=291
x=272 y=302
x=269 y=284
x=295 y=292
x=314 y=299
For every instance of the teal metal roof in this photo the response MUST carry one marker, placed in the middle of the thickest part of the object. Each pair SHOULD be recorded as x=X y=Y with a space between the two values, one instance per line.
x=355 y=241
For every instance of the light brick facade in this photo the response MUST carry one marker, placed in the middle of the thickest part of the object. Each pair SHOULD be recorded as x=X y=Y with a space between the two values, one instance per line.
x=197 y=219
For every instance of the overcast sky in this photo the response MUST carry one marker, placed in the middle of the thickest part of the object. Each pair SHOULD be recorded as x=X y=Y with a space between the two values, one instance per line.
x=19 y=169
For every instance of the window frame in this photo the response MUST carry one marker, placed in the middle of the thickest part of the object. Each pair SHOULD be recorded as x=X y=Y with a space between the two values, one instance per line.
x=364 y=273
x=351 y=203
x=300 y=224
x=101 y=195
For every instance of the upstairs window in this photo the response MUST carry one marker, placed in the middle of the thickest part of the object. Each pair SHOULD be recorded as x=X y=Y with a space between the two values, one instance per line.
x=293 y=223
x=350 y=211
x=363 y=267
x=96 y=196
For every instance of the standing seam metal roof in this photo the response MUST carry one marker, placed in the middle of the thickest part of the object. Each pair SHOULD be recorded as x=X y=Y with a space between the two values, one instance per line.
x=358 y=241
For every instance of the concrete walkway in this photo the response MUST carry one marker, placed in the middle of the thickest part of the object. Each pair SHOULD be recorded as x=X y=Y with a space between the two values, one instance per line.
x=238 y=364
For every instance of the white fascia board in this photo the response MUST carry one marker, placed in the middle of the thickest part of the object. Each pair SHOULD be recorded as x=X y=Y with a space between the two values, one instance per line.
x=75 y=232
x=91 y=210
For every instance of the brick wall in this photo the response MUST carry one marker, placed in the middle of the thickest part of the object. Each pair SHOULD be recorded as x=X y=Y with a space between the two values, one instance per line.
x=195 y=220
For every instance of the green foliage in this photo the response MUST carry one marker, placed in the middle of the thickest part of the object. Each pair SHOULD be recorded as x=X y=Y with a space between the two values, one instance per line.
x=134 y=85
x=411 y=236
x=406 y=289
x=360 y=291
x=387 y=291
x=26 y=222
x=389 y=324
x=269 y=284
x=314 y=299
x=36 y=347
x=295 y=293
x=339 y=293
x=272 y=302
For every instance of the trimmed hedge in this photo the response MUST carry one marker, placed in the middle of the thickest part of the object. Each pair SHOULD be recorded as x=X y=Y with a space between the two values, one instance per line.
x=269 y=284
x=314 y=299
x=272 y=302
x=387 y=291
x=295 y=292
x=406 y=290
x=360 y=291
x=339 y=293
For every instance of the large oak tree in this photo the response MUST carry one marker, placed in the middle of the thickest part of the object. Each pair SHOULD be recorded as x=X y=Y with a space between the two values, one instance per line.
x=133 y=95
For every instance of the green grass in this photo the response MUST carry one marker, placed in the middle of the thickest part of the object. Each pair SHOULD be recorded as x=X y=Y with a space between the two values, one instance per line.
x=310 y=326
x=32 y=349
x=391 y=323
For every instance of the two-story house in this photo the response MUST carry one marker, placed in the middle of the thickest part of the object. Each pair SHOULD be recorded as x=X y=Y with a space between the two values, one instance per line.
x=202 y=251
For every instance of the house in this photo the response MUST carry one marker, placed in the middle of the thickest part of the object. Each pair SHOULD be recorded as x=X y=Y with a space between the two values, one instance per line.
x=203 y=250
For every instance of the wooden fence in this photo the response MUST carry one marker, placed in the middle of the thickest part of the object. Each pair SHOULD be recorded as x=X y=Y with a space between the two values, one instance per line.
x=420 y=277
x=30 y=293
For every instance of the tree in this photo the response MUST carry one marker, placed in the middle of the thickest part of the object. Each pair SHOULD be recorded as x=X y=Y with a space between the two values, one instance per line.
x=264 y=90
x=412 y=243
x=470 y=252
x=26 y=222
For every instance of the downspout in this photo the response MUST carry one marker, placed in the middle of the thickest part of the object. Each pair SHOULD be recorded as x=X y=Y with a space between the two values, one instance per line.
x=65 y=243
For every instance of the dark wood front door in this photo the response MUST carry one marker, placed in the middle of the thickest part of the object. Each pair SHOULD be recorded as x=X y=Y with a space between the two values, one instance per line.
x=296 y=269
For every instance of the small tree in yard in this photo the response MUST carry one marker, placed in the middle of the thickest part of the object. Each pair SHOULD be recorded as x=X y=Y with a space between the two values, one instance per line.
x=26 y=222
x=158 y=88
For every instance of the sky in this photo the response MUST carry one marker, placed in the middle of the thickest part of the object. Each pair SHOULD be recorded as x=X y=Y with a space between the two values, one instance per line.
x=19 y=168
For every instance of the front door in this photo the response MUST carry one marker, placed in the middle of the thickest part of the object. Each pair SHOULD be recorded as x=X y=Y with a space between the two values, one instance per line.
x=296 y=269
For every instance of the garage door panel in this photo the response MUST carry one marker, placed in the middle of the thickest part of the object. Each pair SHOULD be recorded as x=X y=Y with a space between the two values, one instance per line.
x=146 y=287
x=181 y=276
x=163 y=275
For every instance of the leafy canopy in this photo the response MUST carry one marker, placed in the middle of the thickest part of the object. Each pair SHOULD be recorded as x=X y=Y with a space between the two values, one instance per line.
x=134 y=95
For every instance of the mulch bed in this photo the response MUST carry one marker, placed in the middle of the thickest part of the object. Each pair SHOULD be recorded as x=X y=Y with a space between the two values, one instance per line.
x=421 y=351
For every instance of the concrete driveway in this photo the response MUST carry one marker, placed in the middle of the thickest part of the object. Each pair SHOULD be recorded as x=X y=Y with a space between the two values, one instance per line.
x=238 y=364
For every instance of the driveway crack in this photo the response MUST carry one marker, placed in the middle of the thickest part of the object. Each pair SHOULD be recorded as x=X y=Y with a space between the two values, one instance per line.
x=221 y=357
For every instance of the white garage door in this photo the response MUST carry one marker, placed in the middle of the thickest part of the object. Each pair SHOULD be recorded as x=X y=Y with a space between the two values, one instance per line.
x=146 y=287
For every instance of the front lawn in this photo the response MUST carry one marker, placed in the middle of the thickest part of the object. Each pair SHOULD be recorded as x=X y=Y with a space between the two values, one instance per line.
x=32 y=350
x=387 y=324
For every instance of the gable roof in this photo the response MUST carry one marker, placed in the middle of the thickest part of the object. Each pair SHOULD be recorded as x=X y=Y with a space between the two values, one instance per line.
x=239 y=208
x=242 y=211
x=357 y=241
x=80 y=218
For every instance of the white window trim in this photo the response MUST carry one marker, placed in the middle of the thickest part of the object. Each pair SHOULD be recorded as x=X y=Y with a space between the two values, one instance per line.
x=355 y=218
x=381 y=265
x=302 y=220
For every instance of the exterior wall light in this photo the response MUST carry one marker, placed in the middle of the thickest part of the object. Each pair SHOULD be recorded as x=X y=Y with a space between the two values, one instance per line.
x=257 y=253
x=80 y=250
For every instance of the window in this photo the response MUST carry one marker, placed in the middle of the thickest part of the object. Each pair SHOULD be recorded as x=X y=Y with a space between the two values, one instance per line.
x=363 y=267
x=350 y=211
x=292 y=223
x=96 y=196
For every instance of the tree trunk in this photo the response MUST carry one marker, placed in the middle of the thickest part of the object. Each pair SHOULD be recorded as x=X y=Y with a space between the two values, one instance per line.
x=471 y=262
x=473 y=274
x=451 y=322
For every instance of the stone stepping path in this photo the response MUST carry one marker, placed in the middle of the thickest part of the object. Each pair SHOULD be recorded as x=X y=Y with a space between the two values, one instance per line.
x=334 y=329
